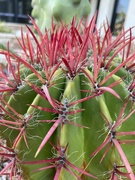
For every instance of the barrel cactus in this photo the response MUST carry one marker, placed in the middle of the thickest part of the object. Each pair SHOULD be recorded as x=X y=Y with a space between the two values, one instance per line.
x=44 y=10
x=68 y=105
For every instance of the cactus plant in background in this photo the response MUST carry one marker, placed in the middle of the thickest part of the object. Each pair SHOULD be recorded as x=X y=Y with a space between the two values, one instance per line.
x=67 y=105
x=44 y=10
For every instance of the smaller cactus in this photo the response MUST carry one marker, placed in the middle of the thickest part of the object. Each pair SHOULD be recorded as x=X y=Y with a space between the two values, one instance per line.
x=59 y=10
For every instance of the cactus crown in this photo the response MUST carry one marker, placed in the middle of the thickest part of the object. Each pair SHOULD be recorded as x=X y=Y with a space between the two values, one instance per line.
x=67 y=105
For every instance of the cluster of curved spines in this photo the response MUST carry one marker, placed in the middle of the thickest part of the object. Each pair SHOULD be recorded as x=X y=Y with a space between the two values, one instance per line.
x=67 y=105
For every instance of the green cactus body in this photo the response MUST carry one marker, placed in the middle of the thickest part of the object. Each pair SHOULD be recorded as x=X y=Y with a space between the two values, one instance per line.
x=68 y=112
x=59 y=10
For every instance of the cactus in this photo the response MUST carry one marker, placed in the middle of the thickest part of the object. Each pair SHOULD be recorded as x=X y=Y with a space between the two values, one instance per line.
x=44 y=10
x=67 y=105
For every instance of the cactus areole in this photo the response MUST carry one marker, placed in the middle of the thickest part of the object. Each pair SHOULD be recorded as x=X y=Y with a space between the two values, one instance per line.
x=67 y=105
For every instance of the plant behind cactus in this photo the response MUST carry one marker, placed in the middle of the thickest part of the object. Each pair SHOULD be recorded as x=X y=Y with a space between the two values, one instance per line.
x=61 y=11
x=67 y=105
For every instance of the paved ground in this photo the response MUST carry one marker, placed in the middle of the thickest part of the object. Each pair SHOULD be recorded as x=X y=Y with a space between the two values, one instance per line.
x=11 y=37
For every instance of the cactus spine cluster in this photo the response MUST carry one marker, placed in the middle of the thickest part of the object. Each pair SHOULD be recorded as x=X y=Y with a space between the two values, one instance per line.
x=67 y=105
